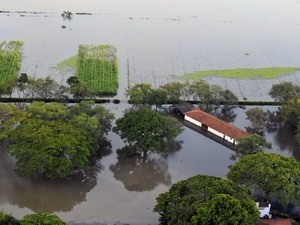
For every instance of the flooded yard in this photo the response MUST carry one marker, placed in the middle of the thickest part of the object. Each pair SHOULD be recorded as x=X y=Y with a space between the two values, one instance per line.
x=156 y=42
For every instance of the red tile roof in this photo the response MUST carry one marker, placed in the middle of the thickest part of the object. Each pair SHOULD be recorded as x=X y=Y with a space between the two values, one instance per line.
x=275 y=222
x=216 y=123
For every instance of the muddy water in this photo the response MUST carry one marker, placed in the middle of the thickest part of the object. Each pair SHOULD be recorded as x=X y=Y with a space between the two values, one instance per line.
x=155 y=41
x=158 y=41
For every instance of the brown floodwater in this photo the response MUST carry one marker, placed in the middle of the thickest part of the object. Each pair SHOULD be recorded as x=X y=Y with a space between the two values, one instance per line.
x=156 y=41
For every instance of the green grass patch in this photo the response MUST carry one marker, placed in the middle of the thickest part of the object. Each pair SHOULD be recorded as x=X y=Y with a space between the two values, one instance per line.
x=68 y=63
x=97 y=68
x=244 y=73
x=10 y=63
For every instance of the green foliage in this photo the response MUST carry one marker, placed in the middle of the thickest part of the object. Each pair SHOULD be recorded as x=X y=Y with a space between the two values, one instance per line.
x=41 y=219
x=54 y=139
x=145 y=130
x=43 y=88
x=139 y=94
x=48 y=112
x=284 y=92
x=224 y=209
x=258 y=119
x=10 y=58
x=53 y=148
x=211 y=97
x=272 y=175
x=97 y=68
x=173 y=91
x=290 y=112
x=250 y=144
x=6 y=219
x=244 y=73
x=10 y=117
x=198 y=199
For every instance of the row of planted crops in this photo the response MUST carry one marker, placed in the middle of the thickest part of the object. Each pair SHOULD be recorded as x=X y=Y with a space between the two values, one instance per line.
x=10 y=62
x=96 y=66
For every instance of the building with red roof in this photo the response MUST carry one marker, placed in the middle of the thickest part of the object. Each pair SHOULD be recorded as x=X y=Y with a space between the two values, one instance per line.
x=214 y=125
x=275 y=222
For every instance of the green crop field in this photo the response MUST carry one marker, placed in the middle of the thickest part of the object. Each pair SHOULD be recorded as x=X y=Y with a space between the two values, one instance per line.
x=244 y=73
x=10 y=62
x=97 y=68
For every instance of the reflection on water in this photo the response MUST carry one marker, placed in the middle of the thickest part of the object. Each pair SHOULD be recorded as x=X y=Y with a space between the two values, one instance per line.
x=285 y=141
x=39 y=194
x=141 y=174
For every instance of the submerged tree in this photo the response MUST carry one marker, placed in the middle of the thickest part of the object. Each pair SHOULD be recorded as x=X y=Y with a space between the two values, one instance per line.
x=258 y=119
x=43 y=88
x=54 y=139
x=52 y=148
x=204 y=199
x=250 y=144
x=272 y=175
x=147 y=131
x=285 y=91
x=41 y=219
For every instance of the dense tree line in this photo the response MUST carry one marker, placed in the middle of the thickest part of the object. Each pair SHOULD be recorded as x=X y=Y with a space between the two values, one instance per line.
x=210 y=97
x=31 y=219
x=54 y=139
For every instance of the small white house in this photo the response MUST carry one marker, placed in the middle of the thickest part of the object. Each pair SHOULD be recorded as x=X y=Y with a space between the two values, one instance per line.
x=264 y=209
x=218 y=127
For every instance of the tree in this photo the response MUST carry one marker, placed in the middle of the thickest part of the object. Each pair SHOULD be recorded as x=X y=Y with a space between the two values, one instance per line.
x=229 y=99
x=285 y=91
x=21 y=82
x=41 y=219
x=145 y=130
x=157 y=97
x=47 y=111
x=201 y=91
x=224 y=209
x=10 y=117
x=44 y=88
x=272 y=175
x=250 y=144
x=173 y=91
x=6 y=219
x=77 y=88
x=52 y=148
x=258 y=119
x=139 y=94
x=188 y=200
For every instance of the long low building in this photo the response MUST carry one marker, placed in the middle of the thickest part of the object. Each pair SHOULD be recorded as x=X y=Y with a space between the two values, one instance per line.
x=216 y=126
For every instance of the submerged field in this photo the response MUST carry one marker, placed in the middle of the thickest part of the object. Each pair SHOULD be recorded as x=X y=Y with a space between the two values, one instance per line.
x=10 y=57
x=97 y=68
x=244 y=73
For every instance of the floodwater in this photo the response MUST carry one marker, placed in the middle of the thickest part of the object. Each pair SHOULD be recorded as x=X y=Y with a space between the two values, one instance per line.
x=156 y=40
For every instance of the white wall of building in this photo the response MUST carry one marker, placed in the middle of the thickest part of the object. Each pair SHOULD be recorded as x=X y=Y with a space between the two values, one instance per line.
x=187 y=118
x=218 y=133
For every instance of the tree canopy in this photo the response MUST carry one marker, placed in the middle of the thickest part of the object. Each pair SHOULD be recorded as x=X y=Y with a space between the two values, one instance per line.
x=145 y=130
x=41 y=219
x=258 y=119
x=211 y=97
x=54 y=139
x=53 y=148
x=250 y=144
x=272 y=175
x=204 y=199
x=285 y=91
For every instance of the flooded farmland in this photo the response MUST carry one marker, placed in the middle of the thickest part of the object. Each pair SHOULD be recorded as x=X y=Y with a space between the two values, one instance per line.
x=156 y=41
